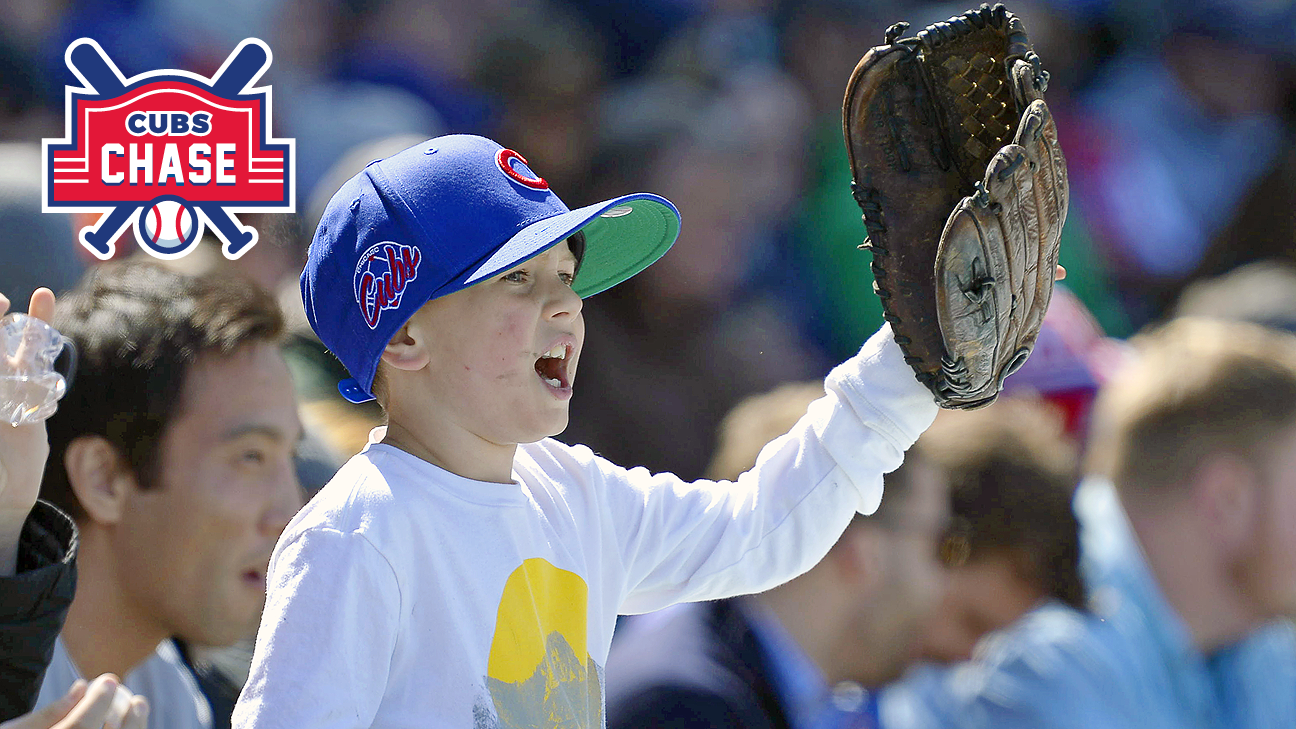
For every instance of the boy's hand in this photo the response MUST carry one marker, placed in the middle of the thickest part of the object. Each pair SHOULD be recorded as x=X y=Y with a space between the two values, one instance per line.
x=23 y=450
x=103 y=704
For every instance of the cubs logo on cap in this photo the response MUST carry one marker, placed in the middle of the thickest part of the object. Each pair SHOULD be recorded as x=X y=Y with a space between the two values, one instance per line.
x=381 y=276
x=509 y=163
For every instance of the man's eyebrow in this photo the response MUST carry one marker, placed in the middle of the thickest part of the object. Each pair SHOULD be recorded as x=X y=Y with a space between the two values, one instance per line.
x=269 y=431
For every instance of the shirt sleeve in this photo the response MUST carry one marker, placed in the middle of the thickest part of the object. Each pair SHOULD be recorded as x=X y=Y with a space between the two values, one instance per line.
x=705 y=540
x=327 y=635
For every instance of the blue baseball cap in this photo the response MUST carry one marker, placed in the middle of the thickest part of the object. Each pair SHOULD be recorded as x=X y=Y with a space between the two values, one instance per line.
x=441 y=216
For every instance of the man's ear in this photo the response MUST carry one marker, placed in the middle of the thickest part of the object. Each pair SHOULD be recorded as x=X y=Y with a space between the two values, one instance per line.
x=99 y=476
x=1226 y=495
x=407 y=350
x=857 y=558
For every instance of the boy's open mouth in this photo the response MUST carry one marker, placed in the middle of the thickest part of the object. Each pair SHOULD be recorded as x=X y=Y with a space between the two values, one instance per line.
x=552 y=366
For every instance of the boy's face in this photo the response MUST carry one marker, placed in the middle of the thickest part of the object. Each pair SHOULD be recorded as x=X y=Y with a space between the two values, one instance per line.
x=503 y=353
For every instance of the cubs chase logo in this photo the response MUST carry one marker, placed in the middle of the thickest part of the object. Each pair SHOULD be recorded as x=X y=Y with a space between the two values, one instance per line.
x=170 y=152
x=381 y=276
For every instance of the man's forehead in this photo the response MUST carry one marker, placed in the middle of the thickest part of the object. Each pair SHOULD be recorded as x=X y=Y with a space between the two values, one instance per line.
x=924 y=499
x=245 y=391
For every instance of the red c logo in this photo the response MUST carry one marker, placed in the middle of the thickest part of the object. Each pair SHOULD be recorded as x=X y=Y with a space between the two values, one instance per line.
x=504 y=160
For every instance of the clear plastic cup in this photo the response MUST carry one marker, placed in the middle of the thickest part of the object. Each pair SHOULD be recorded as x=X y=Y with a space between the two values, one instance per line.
x=30 y=388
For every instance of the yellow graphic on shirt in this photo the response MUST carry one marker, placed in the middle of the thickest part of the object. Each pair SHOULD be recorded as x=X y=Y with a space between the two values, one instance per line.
x=539 y=673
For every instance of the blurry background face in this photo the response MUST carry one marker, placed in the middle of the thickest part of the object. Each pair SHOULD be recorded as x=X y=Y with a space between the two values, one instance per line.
x=194 y=548
x=981 y=596
x=1268 y=570
x=913 y=578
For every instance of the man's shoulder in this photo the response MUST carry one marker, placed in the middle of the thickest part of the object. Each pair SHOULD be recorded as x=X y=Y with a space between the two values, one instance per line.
x=702 y=653
x=175 y=700
x=1051 y=627
x=1054 y=643
x=1056 y=666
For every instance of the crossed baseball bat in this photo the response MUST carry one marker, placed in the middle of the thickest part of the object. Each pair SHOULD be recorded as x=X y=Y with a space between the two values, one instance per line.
x=88 y=60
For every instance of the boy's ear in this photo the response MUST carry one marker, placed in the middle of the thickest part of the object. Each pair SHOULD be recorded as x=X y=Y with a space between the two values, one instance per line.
x=407 y=350
x=99 y=477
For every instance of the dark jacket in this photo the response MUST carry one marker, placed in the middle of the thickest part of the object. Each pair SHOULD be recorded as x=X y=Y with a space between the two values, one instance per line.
x=33 y=605
x=702 y=667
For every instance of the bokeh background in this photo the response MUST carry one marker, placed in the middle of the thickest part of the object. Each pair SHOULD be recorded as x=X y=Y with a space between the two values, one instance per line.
x=1176 y=117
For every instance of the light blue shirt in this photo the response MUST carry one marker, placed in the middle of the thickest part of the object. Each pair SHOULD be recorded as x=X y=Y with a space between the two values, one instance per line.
x=1131 y=663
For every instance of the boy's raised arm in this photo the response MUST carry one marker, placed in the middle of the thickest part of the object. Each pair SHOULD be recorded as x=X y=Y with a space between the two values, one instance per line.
x=695 y=541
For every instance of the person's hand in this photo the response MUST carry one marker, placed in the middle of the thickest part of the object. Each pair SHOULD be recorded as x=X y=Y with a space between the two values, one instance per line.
x=103 y=704
x=23 y=451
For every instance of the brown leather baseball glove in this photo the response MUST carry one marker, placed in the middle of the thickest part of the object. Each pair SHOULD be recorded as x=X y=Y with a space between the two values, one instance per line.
x=957 y=168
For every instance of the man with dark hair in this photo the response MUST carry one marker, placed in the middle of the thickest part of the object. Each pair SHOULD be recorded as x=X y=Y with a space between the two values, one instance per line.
x=173 y=451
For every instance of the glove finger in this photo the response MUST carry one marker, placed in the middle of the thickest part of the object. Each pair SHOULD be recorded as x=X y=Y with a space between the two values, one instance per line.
x=1037 y=134
x=973 y=299
x=1010 y=186
x=1026 y=86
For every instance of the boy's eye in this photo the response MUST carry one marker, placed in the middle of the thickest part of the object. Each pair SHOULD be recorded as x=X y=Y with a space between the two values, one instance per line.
x=253 y=456
x=518 y=276
x=567 y=278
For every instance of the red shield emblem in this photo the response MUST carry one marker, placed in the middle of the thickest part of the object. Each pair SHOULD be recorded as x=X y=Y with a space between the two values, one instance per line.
x=170 y=152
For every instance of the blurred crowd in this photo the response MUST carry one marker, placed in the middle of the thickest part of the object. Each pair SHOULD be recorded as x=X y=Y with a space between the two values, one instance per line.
x=1177 y=119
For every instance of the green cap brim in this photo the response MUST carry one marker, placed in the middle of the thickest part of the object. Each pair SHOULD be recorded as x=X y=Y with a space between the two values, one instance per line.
x=625 y=238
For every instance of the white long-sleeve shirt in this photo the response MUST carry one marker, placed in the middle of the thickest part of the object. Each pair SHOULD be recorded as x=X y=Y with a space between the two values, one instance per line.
x=406 y=596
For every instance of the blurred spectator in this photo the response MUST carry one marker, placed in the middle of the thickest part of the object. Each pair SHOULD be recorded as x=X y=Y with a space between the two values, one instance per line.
x=545 y=67
x=1263 y=292
x=1071 y=360
x=1172 y=144
x=680 y=344
x=173 y=452
x=1012 y=473
x=802 y=654
x=327 y=119
x=102 y=702
x=38 y=545
x=26 y=114
x=1187 y=550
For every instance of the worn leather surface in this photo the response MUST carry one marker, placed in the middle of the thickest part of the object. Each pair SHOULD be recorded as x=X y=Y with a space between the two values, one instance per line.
x=963 y=187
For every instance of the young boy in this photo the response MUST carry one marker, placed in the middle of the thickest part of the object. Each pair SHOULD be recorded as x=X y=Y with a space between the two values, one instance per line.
x=465 y=570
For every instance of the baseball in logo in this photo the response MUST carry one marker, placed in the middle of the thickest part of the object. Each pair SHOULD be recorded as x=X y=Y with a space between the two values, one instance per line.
x=169 y=152
x=381 y=277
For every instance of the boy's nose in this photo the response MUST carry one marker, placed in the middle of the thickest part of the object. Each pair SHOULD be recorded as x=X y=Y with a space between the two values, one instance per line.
x=563 y=301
